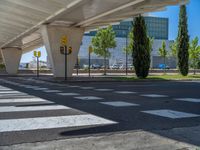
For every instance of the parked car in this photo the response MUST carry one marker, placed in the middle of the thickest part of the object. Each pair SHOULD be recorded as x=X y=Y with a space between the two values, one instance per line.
x=115 y=66
x=163 y=66
x=96 y=66
x=85 y=66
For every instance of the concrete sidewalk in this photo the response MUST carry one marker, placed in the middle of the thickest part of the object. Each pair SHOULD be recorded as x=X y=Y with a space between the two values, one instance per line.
x=173 y=139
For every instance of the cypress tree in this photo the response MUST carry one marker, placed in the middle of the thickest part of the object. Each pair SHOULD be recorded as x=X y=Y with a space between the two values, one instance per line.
x=141 y=48
x=183 y=42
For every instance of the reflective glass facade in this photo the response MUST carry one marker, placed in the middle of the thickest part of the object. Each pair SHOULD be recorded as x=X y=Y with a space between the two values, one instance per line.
x=156 y=28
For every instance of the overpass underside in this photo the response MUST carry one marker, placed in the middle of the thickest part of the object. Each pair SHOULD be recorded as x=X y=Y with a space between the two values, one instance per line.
x=29 y=24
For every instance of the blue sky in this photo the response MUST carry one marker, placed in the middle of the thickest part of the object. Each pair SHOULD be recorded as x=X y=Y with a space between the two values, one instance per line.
x=172 y=12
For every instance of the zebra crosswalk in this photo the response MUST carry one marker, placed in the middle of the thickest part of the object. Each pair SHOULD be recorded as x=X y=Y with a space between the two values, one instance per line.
x=33 y=117
x=24 y=112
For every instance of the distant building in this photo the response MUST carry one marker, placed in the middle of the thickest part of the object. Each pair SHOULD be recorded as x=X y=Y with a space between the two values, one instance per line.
x=33 y=64
x=157 y=28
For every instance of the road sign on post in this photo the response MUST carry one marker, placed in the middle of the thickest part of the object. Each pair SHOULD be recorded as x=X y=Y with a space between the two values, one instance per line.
x=37 y=54
x=64 y=50
x=63 y=40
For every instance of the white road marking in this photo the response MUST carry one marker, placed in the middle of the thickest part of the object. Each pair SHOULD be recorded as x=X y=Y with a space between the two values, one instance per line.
x=86 y=88
x=170 y=113
x=88 y=98
x=31 y=108
x=51 y=91
x=10 y=92
x=68 y=94
x=119 y=104
x=125 y=92
x=5 y=89
x=154 y=95
x=103 y=90
x=52 y=122
x=16 y=96
x=22 y=100
x=38 y=89
x=13 y=94
x=194 y=100
x=74 y=86
x=31 y=87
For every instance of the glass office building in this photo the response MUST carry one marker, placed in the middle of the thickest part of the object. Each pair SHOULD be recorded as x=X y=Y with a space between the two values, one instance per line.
x=157 y=28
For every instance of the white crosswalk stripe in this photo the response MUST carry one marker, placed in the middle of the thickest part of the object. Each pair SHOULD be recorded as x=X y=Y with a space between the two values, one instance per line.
x=119 y=104
x=68 y=94
x=10 y=92
x=31 y=108
x=38 y=89
x=13 y=95
x=52 y=122
x=194 y=100
x=154 y=95
x=86 y=88
x=171 y=113
x=88 y=98
x=19 y=100
x=52 y=91
x=124 y=92
x=103 y=90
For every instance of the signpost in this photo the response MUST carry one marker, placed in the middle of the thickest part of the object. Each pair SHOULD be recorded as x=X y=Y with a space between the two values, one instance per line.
x=65 y=51
x=89 y=63
x=37 y=54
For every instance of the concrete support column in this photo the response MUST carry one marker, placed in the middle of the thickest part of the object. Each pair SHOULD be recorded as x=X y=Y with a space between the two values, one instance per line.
x=51 y=38
x=11 y=58
x=1 y=58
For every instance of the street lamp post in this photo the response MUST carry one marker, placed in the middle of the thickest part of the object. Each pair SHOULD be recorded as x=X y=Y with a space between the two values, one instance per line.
x=127 y=29
x=126 y=54
x=65 y=51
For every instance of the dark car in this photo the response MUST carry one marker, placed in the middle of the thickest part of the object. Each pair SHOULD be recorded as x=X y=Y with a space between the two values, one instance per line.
x=96 y=66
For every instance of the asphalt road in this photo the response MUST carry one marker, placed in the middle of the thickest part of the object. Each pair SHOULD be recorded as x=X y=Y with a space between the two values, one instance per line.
x=33 y=110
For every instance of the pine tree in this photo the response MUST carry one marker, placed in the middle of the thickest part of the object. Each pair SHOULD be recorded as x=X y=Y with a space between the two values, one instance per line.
x=183 y=42
x=141 y=48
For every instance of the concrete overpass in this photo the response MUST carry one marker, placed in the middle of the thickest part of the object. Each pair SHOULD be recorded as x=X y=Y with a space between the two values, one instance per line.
x=29 y=24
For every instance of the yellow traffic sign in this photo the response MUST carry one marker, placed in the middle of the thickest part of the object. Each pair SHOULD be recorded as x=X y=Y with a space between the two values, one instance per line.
x=90 y=49
x=63 y=40
x=37 y=53
x=70 y=50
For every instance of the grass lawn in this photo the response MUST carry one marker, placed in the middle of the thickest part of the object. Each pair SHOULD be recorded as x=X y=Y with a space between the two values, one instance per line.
x=162 y=77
